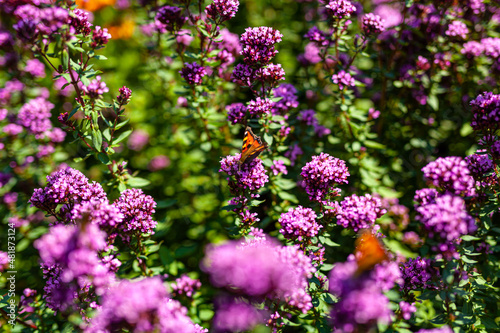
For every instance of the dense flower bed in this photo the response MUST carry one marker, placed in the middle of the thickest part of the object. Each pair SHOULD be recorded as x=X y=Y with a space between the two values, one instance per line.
x=270 y=166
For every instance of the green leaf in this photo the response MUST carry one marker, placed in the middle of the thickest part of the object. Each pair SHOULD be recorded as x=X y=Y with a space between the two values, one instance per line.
x=326 y=267
x=65 y=59
x=107 y=134
x=85 y=81
x=138 y=182
x=100 y=57
x=268 y=138
x=467 y=260
x=433 y=102
x=288 y=196
x=230 y=208
x=72 y=113
x=97 y=139
x=285 y=184
x=121 y=124
x=255 y=203
x=166 y=203
x=469 y=238
x=122 y=136
x=206 y=146
x=122 y=187
x=104 y=158
x=67 y=77
x=327 y=241
x=489 y=323
x=373 y=144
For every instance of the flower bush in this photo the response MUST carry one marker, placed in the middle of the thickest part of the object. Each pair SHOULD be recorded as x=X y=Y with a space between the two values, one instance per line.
x=234 y=166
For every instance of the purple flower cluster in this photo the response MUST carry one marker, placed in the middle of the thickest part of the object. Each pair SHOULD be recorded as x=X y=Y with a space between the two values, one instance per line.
x=79 y=22
x=247 y=218
x=124 y=96
x=472 y=49
x=423 y=64
x=193 y=73
x=35 y=116
x=222 y=10
x=236 y=113
x=397 y=213
x=52 y=19
x=343 y=79
x=495 y=150
x=340 y=9
x=4 y=261
x=243 y=74
x=251 y=176
x=358 y=213
x=271 y=73
x=373 y=24
x=261 y=268
x=485 y=111
x=317 y=36
x=407 y=309
x=138 y=139
x=141 y=306
x=491 y=47
x=309 y=118
x=457 y=29
x=386 y=275
x=95 y=88
x=137 y=209
x=446 y=218
x=260 y=106
x=321 y=174
x=293 y=153
x=450 y=174
x=107 y=217
x=71 y=264
x=159 y=162
x=12 y=129
x=362 y=304
x=288 y=100
x=33 y=20
x=412 y=239
x=480 y=166
x=100 y=37
x=170 y=17
x=279 y=167
x=185 y=286
x=299 y=224
x=230 y=42
x=36 y=68
x=311 y=55
x=236 y=316
x=418 y=273
x=26 y=30
x=425 y=196
x=258 y=45
x=67 y=186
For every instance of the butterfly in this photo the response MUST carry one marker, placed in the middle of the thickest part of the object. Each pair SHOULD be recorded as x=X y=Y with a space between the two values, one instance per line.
x=369 y=251
x=253 y=145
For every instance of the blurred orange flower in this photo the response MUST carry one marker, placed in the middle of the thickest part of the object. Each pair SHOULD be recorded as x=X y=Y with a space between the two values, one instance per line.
x=124 y=30
x=93 y=5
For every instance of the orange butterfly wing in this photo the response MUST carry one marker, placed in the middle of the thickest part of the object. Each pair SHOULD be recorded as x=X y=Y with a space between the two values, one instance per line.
x=369 y=251
x=253 y=145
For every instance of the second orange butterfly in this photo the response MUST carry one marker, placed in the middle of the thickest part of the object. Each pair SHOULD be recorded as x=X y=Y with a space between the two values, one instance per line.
x=369 y=251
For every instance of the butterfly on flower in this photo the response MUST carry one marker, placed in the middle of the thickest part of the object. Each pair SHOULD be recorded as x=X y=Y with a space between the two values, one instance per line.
x=253 y=145
x=369 y=251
